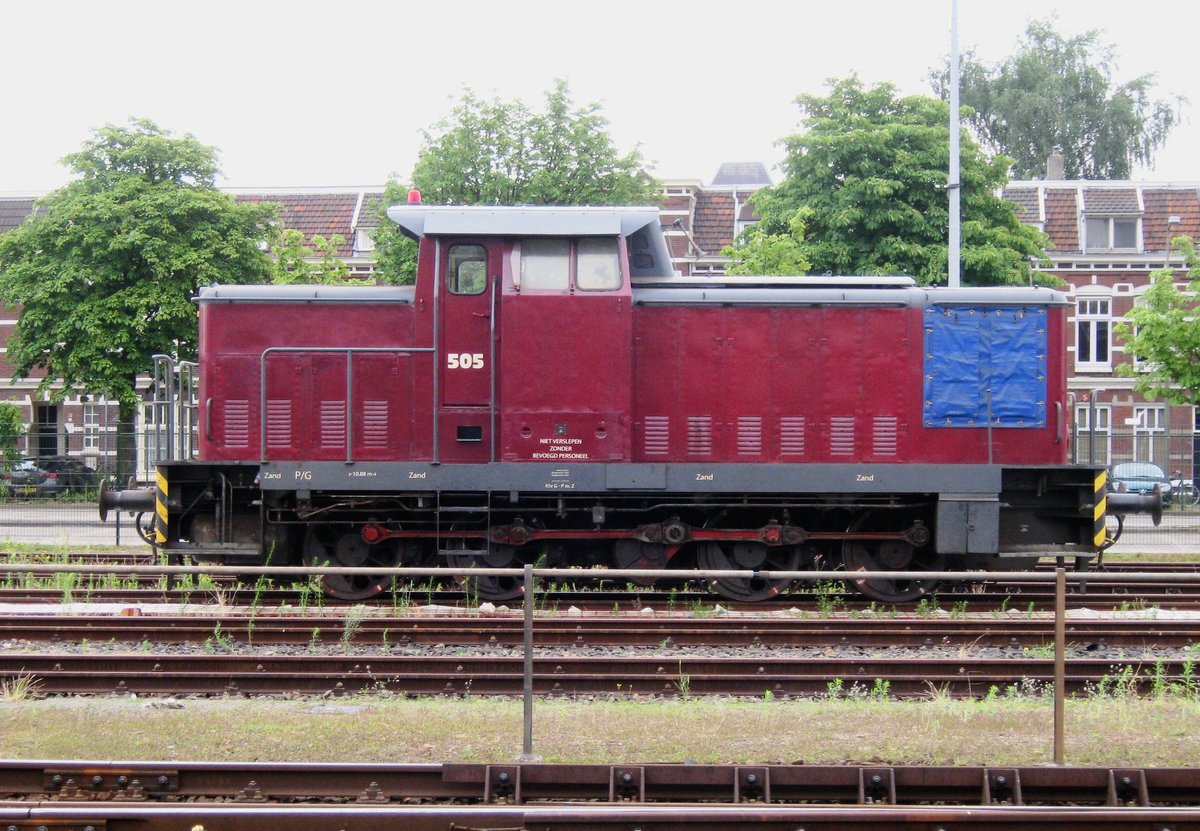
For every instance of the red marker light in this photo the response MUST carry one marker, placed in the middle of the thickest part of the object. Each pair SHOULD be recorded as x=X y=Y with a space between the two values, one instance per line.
x=414 y=196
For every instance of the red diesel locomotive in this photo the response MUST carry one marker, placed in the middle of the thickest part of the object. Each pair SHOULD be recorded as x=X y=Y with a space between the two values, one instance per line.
x=550 y=392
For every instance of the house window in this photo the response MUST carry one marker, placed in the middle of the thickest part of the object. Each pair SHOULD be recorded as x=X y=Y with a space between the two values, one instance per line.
x=363 y=242
x=1093 y=333
x=1093 y=445
x=1150 y=434
x=1110 y=233
x=91 y=428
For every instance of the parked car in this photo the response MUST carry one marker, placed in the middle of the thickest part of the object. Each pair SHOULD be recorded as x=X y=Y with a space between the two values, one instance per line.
x=1140 y=477
x=48 y=476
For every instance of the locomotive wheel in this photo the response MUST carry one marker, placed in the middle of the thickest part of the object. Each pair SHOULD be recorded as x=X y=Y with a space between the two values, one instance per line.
x=890 y=555
x=330 y=545
x=748 y=555
x=494 y=588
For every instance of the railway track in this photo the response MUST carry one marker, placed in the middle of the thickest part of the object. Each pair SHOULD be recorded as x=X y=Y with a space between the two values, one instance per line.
x=1017 y=596
x=636 y=631
x=75 y=796
x=619 y=674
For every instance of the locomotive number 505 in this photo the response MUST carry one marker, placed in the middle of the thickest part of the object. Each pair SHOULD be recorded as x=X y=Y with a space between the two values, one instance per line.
x=464 y=360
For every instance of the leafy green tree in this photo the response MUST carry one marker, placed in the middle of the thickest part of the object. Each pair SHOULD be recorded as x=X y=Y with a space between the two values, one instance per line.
x=867 y=180
x=502 y=153
x=759 y=252
x=12 y=428
x=1057 y=91
x=105 y=268
x=395 y=254
x=314 y=262
x=1163 y=332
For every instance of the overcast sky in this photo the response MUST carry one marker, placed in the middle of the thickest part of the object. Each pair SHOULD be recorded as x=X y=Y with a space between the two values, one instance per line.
x=299 y=93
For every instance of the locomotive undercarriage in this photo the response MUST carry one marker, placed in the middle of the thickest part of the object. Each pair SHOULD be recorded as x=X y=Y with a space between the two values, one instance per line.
x=219 y=514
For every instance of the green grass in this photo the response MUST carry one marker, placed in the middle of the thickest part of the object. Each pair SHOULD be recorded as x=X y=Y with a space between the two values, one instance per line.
x=943 y=731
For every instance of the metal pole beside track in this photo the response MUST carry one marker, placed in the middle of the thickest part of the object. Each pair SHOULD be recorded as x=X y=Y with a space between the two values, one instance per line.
x=1060 y=660
x=527 y=745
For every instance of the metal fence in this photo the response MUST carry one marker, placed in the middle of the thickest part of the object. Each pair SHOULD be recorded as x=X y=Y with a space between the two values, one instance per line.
x=72 y=517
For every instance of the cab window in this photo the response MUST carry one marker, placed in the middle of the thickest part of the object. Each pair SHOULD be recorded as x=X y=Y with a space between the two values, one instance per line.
x=597 y=265
x=545 y=264
x=587 y=264
x=467 y=269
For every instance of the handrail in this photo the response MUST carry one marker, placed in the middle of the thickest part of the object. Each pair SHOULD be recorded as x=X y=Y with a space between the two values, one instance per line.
x=350 y=352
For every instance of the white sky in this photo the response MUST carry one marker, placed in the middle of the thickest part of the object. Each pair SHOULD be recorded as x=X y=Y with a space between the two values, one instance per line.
x=299 y=93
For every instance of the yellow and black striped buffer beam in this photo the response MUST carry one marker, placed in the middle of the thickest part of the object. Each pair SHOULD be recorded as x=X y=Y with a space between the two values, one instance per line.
x=1100 y=503
x=160 y=508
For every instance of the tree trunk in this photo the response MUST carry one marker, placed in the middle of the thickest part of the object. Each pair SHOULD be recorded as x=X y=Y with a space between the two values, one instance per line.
x=127 y=442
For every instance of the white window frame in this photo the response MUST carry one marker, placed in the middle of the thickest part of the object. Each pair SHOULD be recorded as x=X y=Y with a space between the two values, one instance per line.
x=91 y=428
x=1107 y=243
x=1103 y=443
x=1149 y=423
x=1090 y=311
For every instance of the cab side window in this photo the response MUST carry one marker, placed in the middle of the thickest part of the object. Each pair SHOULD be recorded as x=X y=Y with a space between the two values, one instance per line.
x=597 y=266
x=545 y=264
x=467 y=269
x=585 y=264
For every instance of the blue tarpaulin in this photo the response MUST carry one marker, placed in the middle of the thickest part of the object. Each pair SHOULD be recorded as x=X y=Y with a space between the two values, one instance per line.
x=971 y=351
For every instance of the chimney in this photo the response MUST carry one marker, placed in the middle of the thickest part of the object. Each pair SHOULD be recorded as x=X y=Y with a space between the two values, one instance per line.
x=1054 y=166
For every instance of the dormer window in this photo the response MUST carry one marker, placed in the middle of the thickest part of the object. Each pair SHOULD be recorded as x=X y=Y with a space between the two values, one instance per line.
x=1111 y=233
x=363 y=243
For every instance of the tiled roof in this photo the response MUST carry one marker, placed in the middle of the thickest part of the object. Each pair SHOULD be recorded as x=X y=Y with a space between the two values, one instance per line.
x=713 y=223
x=1026 y=200
x=314 y=213
x=742 y=173
x=1111 y=202
x=1062 y=219
x=13 y=211
x=367 y=216
x=1163 y=204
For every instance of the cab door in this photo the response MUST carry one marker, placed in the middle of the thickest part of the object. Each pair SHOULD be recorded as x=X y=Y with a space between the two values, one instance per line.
x=468 y=272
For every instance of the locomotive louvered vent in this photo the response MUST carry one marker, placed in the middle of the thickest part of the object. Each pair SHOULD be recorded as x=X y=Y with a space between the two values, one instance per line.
x=791 y=435
x=657 y=440
x=749 y=436
x=237 y=423
x=375 y=423
x=841 y=436
x=699 y=435
x=279 y=422
x=333 y=424
x=885 y=435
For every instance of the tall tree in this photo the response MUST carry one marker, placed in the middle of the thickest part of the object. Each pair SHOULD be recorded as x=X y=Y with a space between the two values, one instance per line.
x=1162 y=333
x=502 y=153
x=1057 y=91
x=105 y=268
x=867 y=183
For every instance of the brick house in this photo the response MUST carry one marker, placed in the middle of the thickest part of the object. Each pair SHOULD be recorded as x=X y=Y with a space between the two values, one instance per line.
x=1105 y=239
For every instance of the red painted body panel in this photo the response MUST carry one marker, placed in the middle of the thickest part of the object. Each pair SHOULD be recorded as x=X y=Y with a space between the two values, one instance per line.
x=306 y=390
x=589 y=377
x=829 y=384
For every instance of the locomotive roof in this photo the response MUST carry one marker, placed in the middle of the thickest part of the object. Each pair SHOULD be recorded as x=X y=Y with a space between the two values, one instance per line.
x=419 y=220
x=843 y=292
x=306 y=294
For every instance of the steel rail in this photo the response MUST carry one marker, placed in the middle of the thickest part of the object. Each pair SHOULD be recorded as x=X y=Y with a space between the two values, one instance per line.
x=673 y=630
x=521 y=783
x=561 y=676
x=584 y=817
